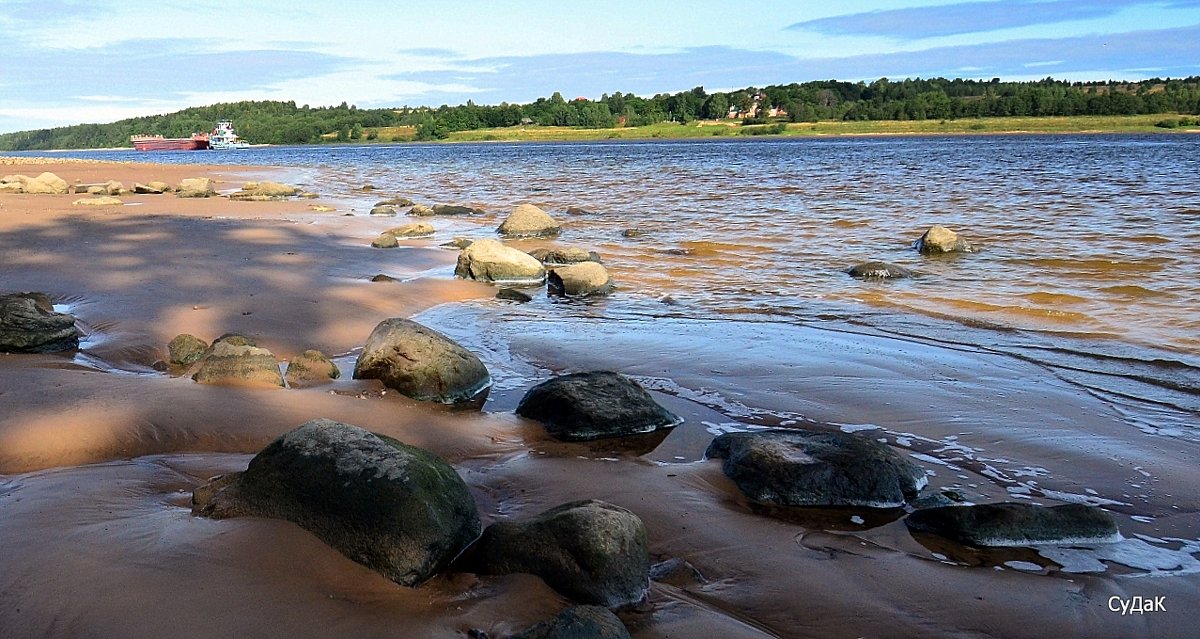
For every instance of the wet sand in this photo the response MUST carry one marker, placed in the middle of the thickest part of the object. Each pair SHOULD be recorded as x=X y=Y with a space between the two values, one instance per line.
x=99 y=452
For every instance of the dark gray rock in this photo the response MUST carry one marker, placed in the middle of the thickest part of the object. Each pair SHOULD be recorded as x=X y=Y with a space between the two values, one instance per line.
x=453 y=209
x=185 y=350
x=878 y=271
x=940 y=498
x=394 y=508
x=513 y=295
x=676 y=572
x=578 y=210
x=1017 y=524
x=382 y=277
x=578 y=622
x=798 y=467
x=422 y=363
x=29 y=324
x=594 y=405
x=591 y=551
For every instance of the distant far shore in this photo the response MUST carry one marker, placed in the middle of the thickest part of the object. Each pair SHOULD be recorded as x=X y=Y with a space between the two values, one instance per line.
x=1156 y=123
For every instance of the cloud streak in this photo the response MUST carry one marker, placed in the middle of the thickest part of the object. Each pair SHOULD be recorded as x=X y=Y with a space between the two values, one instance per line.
x=916 y=23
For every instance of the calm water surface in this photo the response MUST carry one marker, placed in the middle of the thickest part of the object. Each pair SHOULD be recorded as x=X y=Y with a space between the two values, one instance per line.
x=1089 y=244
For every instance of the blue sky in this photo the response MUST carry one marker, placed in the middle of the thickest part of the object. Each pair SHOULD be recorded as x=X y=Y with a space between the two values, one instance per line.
x=72 y=61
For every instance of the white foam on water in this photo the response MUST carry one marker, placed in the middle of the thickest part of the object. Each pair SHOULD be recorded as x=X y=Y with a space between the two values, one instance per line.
x=1026 y=566
x=1139 y=554
x=1074 y=498
x=855 y=428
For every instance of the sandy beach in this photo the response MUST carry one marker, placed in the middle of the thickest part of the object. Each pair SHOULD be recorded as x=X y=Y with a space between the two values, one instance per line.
x=99 y=451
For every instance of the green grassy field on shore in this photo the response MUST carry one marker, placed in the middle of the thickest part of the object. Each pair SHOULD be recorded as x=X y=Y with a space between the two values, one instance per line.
x=710 y=128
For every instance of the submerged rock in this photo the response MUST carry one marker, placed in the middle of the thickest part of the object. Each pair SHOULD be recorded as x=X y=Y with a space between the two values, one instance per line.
x=578 y=210
x=578 y=622
x=528 y=220
x=798 y=467
x=397 y=509
x=939 y=239
x=29 y=324
x=383 y=277
x=878 y=271
x=420 y=210
x=185 y=350
x=513 y=295
x=591 y=551
x=576 y=280
x=234 y=359
x=1017 y=524
x=564 y=255
x=422 y=363
x=594 y=405
x=416 y=229
x=491 y=261
x=310 y=368
x=458 y=243
x=676 y=572
x=454 y=209
x=398 y=202
x=383 y=211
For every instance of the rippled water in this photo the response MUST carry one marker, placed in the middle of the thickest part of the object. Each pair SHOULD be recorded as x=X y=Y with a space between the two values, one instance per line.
x=1089 y=244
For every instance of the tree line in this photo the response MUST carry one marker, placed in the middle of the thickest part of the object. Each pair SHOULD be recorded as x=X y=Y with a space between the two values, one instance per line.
x=273 y=122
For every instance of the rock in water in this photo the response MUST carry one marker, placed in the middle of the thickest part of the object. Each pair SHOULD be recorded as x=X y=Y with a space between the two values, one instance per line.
x=385 y=211
x=454 y=209
x=878 y=271
x=578 y=622
x=591 y=551
x=422 y=363
x=577 y=280
x=420 y=210
x=797 y=467
x=185 y=350
x=528 y=220
x=385 y=240
x=513 y=295
x=269 y=189
x=491 y=261
x=29 y=324
x=564 y=255
x=395 y=508
x=939 y=239
x=234 y=359
x=594 y=405
x=310 y=368
x=1017 y=524
x=416 y=229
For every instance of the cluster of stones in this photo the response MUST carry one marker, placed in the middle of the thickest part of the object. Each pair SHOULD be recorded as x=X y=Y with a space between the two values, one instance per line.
x=237 y=360
x=105 y=193
x=938 y=240
x=567 y=271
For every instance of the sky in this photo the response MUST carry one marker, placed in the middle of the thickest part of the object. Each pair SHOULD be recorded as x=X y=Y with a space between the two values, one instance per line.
x=75 y=61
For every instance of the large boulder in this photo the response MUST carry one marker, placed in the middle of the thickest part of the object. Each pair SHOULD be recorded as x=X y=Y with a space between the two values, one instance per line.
x=594 y=405
x=798 y=467
x=236 y=360
x=577 y=280
x=528 y=220
x=29 y=324
x=47 y=183
x=1017 y=524
x=310 y=368
x=591 y=551
x=395 y=508
x=878 y=271
x=195 y=187
x=578 y=622
x=185 y=349
x=939 y=239
x=491 y=261
x=422 y=363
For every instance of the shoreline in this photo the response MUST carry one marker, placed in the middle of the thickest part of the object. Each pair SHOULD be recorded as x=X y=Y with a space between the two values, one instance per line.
x=98 y=457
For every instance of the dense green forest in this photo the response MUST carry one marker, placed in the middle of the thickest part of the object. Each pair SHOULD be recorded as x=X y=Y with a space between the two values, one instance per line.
x=911 y=99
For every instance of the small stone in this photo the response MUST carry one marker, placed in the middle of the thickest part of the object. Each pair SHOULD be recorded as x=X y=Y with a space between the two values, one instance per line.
x=939 y=239
x=310 y=368
x=383 y=211
x=513 y=295
x=185 y=350
x=385 y=240
x=878 y=271
x=98 y=201
x=416 y=229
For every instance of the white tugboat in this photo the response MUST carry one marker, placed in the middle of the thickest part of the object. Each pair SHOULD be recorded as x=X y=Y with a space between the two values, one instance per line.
x=224 y=137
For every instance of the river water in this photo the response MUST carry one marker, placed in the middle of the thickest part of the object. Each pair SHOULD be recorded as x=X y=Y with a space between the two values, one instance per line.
x=1088 y=244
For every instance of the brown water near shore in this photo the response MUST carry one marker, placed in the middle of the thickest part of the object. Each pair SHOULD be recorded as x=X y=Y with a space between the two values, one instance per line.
x=99 y=452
